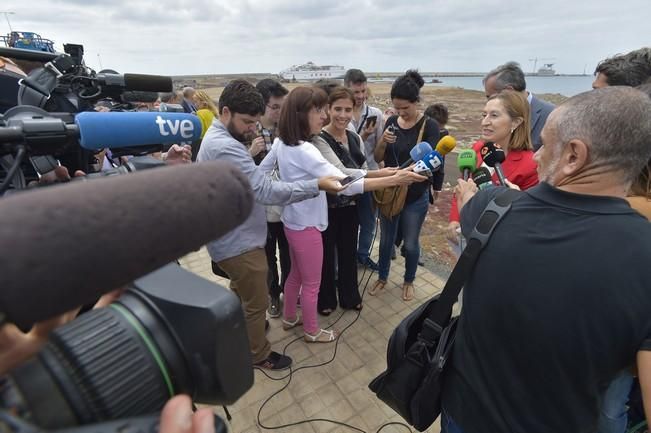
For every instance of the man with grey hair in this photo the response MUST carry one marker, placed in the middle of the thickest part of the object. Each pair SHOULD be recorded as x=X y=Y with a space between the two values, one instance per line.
x=510 y=76
x=558 y=301
x=188 y=102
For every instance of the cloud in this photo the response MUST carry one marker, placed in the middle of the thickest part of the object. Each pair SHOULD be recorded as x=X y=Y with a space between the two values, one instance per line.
x=219 y=36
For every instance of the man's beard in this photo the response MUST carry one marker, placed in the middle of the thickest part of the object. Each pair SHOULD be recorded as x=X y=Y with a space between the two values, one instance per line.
x=241 y=137
x=547 y=174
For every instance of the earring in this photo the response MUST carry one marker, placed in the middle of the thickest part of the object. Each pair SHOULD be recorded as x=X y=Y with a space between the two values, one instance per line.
x=512 y=129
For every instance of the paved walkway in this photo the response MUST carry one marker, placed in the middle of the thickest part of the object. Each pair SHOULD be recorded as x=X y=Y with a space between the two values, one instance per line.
x=338 y=390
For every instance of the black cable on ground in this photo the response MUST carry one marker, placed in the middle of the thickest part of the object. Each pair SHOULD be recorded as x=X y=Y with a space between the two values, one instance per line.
x=292 y=371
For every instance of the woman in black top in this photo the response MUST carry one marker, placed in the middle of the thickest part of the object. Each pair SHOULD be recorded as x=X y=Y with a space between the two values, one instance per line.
x=401 y=134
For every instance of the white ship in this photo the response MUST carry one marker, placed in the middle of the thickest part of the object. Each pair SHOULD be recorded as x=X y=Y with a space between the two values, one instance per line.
x=311 y=72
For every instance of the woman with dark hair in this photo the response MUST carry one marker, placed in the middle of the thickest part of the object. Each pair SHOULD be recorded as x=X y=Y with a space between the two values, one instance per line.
x=505 y=122
x=402 y=132
x=344 y=149
x=301 y=118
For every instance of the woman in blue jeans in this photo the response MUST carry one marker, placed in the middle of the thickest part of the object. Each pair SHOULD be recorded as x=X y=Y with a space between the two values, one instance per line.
x=402 y=132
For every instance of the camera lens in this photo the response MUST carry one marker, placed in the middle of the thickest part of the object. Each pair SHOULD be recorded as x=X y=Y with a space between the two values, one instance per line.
x=128 y=359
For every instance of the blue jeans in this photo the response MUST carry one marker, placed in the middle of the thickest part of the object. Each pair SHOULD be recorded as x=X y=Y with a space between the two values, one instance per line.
x=367 y=219
x=410 y=221
x=613 y=416
x=448 y=425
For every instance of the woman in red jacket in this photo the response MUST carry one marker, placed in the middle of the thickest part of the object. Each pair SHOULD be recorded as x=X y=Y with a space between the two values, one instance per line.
x=505 y=121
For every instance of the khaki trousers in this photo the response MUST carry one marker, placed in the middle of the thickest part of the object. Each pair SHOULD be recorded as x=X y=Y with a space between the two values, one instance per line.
x=248 y=275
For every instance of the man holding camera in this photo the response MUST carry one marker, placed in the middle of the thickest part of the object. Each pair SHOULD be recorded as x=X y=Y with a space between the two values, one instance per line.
x=240 y=253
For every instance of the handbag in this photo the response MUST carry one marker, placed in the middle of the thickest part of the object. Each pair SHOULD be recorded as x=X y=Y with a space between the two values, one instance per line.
x=420 y=346
x=390 y=200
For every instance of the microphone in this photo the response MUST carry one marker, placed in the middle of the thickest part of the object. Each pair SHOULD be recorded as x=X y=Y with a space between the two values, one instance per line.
x=129 y=129
x=446 y=145
x=493 y=156
x=467 y=162
x=482 y=178
x=429 y=164
x=138 y=82
x=68 y=244
x=417 y=153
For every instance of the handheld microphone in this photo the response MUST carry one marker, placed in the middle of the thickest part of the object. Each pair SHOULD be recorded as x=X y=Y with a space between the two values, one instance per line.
x=417 y=153
x=429 y=164
x=467 y=162
x=138 y=82
x=68 y=244
x=446 y=145
x=128 y=129
x=493 y=156
x=482 y=178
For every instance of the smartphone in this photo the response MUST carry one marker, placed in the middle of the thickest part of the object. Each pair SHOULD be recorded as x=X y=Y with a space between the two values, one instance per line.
x=371 y=121
x=346 y=181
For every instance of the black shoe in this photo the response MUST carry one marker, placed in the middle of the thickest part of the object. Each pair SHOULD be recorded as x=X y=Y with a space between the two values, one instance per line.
x=275 y=361
x=274 y=307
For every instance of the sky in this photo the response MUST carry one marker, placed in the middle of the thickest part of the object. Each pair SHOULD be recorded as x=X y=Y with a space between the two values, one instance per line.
x=192 y=37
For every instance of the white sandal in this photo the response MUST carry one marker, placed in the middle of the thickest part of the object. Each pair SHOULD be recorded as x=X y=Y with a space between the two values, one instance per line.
x=287 y=325
x=323 y=336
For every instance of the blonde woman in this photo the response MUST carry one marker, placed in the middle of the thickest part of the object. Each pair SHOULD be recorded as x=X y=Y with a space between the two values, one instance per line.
x=206 y=110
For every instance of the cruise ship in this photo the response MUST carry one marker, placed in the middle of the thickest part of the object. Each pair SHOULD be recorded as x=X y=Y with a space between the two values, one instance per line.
x=311 y=72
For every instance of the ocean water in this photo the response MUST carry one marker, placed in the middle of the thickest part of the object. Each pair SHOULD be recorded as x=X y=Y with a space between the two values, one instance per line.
x=565 y=85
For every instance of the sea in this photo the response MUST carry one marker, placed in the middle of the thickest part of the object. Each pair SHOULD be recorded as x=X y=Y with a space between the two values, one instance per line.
x=567 y=85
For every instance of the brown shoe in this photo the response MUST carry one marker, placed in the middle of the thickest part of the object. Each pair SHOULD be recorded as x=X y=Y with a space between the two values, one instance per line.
x=407 y=291
x=377 y=287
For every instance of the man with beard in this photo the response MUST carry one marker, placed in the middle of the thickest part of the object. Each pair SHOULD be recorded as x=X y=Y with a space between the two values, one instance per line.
x=558 y=302
x=240 y=253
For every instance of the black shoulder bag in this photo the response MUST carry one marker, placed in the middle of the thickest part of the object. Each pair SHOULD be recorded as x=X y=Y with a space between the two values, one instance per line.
x=421 y=344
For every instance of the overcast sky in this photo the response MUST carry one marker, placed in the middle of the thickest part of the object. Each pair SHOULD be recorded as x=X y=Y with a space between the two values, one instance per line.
x=183 y=37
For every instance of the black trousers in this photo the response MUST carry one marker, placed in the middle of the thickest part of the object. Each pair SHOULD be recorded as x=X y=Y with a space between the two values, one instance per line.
x=340 y=244
x=276 y=236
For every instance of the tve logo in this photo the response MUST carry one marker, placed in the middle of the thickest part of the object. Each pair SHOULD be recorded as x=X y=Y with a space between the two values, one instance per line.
x=184 y=128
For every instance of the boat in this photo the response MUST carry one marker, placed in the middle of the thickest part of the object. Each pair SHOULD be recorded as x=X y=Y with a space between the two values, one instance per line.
x=28 y=41
x=312 y=72
x=547 y=70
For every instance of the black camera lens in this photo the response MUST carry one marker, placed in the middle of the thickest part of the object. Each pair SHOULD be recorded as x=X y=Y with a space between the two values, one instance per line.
x=171 y=333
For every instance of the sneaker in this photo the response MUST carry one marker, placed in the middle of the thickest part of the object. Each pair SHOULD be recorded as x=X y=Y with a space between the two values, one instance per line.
x=274 y=307
x=275 y=361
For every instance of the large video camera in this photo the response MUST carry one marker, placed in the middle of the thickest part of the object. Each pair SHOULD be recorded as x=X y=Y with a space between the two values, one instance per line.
x=172 y=332
x=55 y=91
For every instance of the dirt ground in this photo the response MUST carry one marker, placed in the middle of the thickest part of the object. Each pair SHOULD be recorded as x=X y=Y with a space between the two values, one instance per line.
x=465 y=107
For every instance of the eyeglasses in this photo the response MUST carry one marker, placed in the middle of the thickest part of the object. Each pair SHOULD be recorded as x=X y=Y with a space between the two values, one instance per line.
x=274 y=107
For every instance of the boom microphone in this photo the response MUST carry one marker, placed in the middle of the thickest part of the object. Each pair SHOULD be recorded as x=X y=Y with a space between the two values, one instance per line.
x=493 y=155
x=417 y=153
x=129 y=129
x=482 y=178
x=141 y=82
x=68 y=244
x=467 y=162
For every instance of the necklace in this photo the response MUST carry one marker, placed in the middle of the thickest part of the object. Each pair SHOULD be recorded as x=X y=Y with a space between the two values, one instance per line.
x=338 y=138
